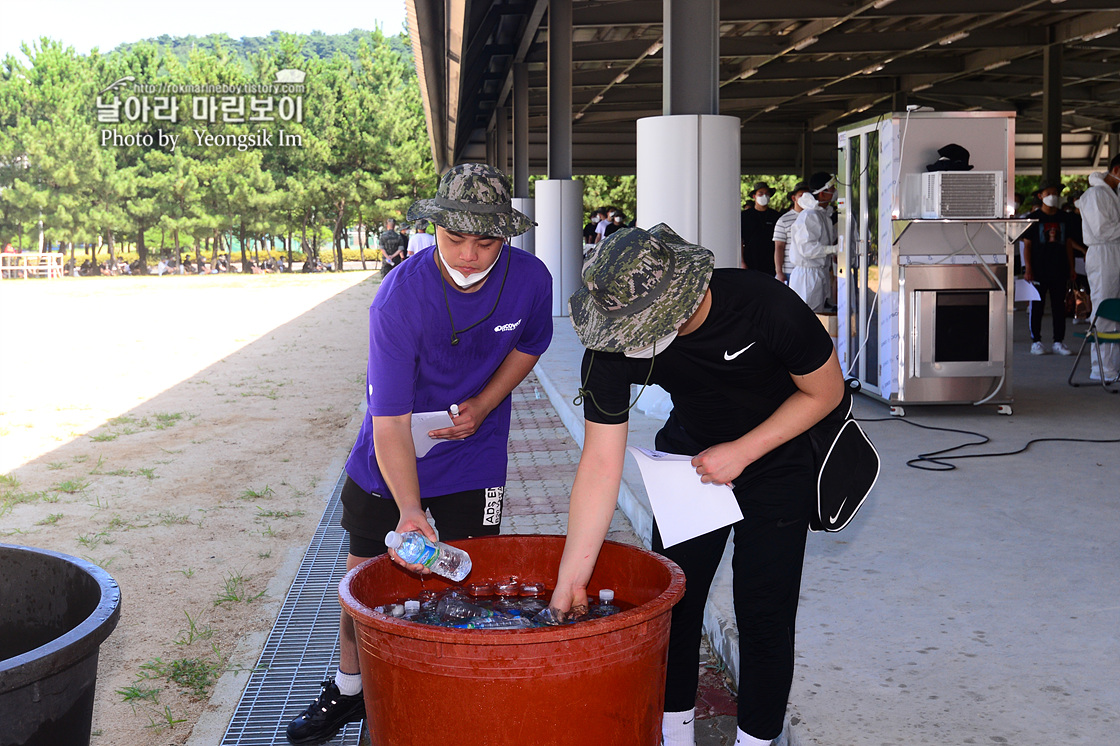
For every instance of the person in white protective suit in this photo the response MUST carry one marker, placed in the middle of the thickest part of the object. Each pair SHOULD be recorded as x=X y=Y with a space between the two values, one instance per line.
x=1100 y=225
x=813 y=243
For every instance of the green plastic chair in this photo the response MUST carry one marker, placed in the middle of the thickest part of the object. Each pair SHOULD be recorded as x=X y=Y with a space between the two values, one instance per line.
x=1109 y=308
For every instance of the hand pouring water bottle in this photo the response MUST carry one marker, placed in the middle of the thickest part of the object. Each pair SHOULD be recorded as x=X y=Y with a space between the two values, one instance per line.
x=438 y=557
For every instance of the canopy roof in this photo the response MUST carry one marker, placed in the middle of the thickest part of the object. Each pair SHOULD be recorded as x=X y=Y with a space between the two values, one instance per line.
x=788 y=69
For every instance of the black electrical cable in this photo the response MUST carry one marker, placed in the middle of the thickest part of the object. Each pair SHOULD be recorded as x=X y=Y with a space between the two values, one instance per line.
x=935 y=460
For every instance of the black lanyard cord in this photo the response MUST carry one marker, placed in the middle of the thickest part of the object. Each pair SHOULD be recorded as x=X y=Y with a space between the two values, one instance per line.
x=455 y=332
x=582 y=392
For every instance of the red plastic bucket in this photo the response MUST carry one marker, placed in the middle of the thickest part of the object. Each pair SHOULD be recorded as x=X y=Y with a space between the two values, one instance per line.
x=600 y=681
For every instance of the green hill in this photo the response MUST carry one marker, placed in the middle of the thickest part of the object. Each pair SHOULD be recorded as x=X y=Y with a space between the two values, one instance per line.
x=316 y=44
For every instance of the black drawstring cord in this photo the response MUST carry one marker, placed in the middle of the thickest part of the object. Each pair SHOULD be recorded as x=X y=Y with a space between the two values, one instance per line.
x=582 y=392
x=455 y=332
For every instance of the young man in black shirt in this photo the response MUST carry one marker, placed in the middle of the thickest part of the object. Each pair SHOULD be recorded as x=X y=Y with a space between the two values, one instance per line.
x=756 y=226
x=749 y=369
x=1048 y=263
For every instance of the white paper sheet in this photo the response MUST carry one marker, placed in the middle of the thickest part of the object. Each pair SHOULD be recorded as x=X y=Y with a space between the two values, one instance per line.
x=1026 y=291
x=422 y=424
x=684 y=506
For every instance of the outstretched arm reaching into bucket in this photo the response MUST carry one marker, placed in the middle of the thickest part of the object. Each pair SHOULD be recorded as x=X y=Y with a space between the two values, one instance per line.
x=594 y=496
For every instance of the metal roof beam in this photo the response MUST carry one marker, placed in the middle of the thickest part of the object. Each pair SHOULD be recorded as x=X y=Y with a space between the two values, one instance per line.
x=649 y=12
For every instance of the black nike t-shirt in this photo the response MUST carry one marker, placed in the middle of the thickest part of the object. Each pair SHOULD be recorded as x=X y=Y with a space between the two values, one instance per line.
x=757 y=333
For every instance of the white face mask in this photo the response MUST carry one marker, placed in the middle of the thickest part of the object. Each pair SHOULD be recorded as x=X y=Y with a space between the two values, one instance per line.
x=762 y=199
x=465 y=281
x=1050 y=200
x=658 y=345
x=807 y=201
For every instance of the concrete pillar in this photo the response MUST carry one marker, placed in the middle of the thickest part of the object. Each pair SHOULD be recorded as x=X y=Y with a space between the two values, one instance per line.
x=521 y=199
x=1052 y=112
x=559 y=239
x=898 y=98
x=501 y=135
x=688 y=178
x=520 y=130
x=560 y=89
x=690 y=82
x=1113 y=146
x=688 y=158
x=527 y=240
x=806 y=153
x=559 y=199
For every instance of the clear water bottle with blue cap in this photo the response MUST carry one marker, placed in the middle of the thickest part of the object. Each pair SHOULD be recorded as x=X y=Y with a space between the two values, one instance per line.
x=440 y=558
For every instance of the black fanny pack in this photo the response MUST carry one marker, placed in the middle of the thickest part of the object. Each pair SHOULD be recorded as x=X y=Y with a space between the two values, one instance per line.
x=844 y=458
x=847 y=466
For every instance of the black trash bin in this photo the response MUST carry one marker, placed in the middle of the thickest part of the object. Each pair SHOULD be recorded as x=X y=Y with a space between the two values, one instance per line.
x=55 y=611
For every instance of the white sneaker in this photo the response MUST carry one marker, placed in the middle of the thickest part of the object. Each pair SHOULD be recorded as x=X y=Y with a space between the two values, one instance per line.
x=1037 y=349
x=1060 y=348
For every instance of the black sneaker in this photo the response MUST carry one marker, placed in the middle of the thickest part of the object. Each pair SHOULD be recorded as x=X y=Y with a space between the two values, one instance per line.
x=326 y=715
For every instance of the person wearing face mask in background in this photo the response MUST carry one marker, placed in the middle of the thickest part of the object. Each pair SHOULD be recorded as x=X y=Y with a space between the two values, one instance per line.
x=756 y=228
x=1100 y=224
x=1048 y=263
x=1073 y=207
x=456 y=328
x=618 y=221
x=590 y=236
x=813 y=243
x=782 y=230
x=607 y=218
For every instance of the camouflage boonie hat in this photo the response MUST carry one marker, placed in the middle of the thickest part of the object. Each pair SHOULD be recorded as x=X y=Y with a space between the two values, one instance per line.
x=473 y=198
x=638 y=287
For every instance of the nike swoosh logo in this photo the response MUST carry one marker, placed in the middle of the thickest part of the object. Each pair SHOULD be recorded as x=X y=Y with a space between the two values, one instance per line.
x=729 y=356
x=833 y=518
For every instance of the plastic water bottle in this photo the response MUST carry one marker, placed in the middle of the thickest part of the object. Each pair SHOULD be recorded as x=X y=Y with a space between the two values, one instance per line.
x=498 y=621
x=606 y=606
x=438 y=557
x=454 y=608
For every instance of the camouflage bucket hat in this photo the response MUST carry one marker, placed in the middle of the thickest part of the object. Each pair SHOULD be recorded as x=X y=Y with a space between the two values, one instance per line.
x=473 y=198
x=638 y=287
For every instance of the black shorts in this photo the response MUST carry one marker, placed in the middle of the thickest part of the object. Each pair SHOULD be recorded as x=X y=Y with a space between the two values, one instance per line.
x=368 y=517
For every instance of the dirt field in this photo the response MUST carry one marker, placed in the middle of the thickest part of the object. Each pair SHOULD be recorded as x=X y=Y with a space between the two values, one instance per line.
x=184 y=433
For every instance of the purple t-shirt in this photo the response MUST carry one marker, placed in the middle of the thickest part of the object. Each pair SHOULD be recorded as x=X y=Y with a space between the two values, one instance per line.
x=413 y=367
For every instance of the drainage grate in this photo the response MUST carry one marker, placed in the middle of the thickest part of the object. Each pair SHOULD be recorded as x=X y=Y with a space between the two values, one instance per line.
x=302 y=649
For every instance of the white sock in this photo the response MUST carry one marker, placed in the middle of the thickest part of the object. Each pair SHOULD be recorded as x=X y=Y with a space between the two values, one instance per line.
x=349 y=684
x=742 y=739
x=677 y=728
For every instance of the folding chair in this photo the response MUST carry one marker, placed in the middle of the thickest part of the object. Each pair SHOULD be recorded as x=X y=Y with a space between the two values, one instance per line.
x=1109 y=308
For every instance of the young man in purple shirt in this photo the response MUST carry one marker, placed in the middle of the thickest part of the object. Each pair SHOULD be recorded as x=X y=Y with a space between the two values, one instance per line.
x=455 y=329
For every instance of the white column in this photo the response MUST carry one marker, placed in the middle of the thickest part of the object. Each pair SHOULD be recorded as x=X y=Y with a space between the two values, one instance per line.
x=688 y=178
x=559 y=236
x=525 y=240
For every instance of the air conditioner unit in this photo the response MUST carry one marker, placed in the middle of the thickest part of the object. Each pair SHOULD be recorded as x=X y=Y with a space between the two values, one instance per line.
x=962 y=194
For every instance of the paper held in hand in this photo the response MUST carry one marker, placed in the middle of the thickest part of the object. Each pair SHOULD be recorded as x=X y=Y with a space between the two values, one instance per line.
x=684 y=506
x=422 y=424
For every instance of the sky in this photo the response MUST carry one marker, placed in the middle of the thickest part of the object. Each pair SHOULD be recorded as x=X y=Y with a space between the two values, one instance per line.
x=84 y=25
